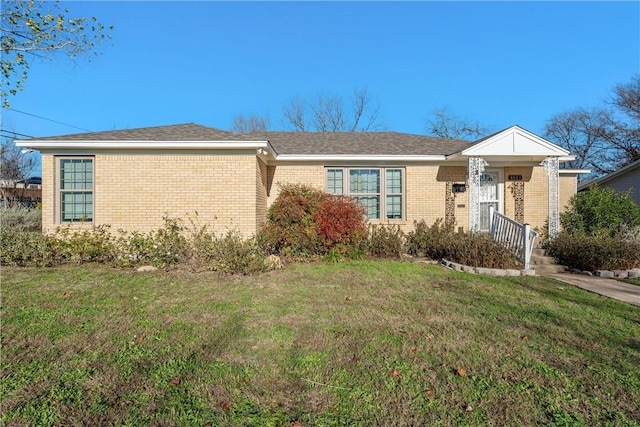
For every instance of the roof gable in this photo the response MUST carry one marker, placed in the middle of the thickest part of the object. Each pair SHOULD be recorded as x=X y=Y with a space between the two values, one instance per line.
x=514 y=141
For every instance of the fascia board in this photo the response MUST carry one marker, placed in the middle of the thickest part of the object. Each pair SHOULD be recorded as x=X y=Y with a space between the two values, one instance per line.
x=184 y=145
x=572 y=171
x=345 y=157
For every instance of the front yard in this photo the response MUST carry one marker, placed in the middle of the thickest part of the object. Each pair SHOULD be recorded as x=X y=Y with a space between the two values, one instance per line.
x=359 y=343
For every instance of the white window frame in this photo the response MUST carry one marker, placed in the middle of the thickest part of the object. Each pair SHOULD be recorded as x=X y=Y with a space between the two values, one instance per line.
x=382 y=194
x=60 y=191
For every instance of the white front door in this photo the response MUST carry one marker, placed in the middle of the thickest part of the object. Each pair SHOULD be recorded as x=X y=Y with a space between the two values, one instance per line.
x=490 y=195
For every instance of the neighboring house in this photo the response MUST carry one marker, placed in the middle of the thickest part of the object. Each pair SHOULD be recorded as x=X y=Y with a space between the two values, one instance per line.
x=130 y=179
x=25 y=193
x=624 y=180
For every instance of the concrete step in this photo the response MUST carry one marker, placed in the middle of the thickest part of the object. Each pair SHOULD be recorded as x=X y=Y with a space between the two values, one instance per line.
x=542 y=269
x=542 y=260
x=544 y=264
x=538 y=252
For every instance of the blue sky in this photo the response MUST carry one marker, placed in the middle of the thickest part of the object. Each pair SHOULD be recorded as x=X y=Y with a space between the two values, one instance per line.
x=498 y=63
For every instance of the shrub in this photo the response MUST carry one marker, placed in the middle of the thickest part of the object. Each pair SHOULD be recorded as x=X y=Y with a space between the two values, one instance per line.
x=591 y=253
x=29 y=248
x=474 y=249
x=290 y=228
x=385 y=241
x=231 y=254
x=304 y=221
x=630 y=234
x=167 y=246
x=340 y=224
x=600 y=210
x=479 y=250
x=92 y=245
x=21 y=219
x=429 y=241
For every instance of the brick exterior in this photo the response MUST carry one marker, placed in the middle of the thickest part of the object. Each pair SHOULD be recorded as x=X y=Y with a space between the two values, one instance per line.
x=298 y=174
x=134 y=190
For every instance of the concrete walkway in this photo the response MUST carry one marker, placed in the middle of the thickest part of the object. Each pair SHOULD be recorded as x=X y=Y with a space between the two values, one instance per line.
x=607 y=287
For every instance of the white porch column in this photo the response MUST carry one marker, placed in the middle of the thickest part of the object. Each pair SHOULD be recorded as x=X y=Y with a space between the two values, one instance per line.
x=475 y=169
x=551 y=166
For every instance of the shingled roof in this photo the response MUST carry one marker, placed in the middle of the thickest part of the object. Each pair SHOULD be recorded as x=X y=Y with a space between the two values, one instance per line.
x=355 y=143
x=181 y=132
x=287 y=143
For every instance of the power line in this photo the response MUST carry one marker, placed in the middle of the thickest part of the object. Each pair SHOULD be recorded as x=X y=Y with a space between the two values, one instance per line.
x=50 y=120
x=6 y=131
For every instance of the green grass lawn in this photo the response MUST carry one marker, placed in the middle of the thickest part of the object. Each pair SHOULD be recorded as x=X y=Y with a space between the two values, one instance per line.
x=364 y=343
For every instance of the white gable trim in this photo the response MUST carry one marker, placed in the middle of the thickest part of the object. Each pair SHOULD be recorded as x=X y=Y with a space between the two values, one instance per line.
x=515 y=141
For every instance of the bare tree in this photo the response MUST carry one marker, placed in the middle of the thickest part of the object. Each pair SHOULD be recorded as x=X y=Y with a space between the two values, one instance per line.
x=331 y=113
x=624 y=129
x=603 y=139
x=446 y=125
x=16 y=167
x=626 y=98
x=294 y=114
x=580 y=132
x=252 y=123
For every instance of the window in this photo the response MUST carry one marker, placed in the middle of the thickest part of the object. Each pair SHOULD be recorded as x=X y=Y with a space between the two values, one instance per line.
x=76 y=189
x=381 y=199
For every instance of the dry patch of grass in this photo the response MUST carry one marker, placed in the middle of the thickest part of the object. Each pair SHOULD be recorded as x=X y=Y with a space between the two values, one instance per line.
x=362 y=343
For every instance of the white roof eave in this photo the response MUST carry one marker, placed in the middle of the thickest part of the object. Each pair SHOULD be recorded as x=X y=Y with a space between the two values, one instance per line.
x=221 y=145
x=358 y=157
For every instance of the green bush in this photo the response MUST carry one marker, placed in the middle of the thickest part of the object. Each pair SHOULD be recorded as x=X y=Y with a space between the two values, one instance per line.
x=21 y=219
x=29 y=248
x=600 y=210
x=230 y=254
x=591 y=253
x=385 y=241
x=95 y=244
x=167 y=246
x=474 y=249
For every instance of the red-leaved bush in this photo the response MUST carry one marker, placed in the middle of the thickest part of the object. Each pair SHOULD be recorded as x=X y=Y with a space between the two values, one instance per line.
x=340 y=223
x=305 y=221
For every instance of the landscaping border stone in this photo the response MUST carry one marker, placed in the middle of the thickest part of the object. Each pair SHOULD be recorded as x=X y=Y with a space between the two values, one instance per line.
x=486 y=271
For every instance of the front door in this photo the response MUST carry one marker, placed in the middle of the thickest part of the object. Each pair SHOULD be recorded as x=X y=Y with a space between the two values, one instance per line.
x=490 y=195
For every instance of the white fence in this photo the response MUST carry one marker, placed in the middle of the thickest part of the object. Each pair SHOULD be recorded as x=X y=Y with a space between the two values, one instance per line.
x=517 y=238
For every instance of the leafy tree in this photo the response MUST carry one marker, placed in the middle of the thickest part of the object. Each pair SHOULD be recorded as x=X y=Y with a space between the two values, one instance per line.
x=446 y=125
x=33 y=29
x=600 y=210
